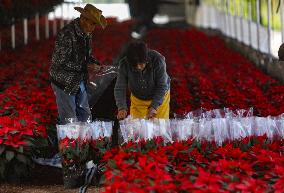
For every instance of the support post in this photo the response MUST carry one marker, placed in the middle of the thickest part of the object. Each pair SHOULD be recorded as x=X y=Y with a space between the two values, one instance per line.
x=249 y=23
x=257 y=24
x=26 y=35
x=62 y=17
x=241 y=21
x=54 y=25
x=37 y=26
x=282 y=19
x=46 y=27
x=269 y=27
x=13 y=36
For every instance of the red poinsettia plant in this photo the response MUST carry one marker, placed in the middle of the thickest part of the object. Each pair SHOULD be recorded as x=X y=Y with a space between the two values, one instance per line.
x=73 y=151
x=28 y=108
x=98 y=148
x=253 y=164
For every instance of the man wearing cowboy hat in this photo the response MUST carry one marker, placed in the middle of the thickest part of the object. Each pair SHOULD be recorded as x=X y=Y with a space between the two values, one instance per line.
x=72 y=54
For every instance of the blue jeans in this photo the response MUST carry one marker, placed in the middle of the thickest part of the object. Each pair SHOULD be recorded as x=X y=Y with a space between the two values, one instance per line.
x=72 y=106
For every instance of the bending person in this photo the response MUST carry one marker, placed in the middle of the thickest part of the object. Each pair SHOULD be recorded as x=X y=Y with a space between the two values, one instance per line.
x=143 y=72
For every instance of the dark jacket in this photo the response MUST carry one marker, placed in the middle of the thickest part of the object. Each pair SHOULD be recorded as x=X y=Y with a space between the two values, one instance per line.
x=72 y=53
x=151 y=84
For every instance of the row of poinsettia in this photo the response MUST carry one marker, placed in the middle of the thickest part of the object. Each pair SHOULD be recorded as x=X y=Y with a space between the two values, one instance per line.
x=247 y=165
x=27 y=108
x=200 y=78
x=11 y=61
x=27 y=104
x=206 y=73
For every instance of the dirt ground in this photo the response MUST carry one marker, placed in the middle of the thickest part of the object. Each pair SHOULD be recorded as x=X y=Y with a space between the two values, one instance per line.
x=43 y=179
x=9 y=188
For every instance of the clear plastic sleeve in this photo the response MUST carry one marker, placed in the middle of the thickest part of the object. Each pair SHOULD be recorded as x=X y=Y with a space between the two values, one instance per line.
x=185 y=128
x=272 y=129
x=163 y=129
x=237 y=130
x=204 y=131
x=260 y=126
x=221 y=130
x=280 y=124
x=217 y=125
x=101 y=129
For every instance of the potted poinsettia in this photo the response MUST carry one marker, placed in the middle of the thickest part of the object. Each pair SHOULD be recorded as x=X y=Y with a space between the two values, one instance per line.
x=74 y=142
x=74 y=154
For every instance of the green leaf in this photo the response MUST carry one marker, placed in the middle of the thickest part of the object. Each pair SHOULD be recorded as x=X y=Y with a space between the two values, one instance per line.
x=22 y=158
x=14 y=132
x=23 y=122
x=6 y=99
x=41 y=142
x=102 y=180
x=10 y=155
x=29 y=138
x=21 y=149
x=6 y=112
x=37 y=120
x=2 y=149
x=130 y=162
x=29 y=143
x=112 y=164
x=187 y=150
x=2 y=169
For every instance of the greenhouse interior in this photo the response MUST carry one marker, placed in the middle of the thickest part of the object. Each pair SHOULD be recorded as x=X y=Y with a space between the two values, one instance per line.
x=137 y=96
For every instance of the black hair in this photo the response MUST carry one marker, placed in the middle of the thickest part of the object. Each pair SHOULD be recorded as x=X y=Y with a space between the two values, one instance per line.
x=137 y=52
x=281 y=52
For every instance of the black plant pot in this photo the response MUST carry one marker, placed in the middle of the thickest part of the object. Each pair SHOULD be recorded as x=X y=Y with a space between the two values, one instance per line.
x=71 y=182
x=73 y=177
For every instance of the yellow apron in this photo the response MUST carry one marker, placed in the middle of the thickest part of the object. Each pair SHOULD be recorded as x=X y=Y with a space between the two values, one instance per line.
x=139 y=108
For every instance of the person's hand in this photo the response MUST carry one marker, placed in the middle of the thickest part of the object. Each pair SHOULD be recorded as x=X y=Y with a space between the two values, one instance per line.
x=151 y=113
x=122 y=114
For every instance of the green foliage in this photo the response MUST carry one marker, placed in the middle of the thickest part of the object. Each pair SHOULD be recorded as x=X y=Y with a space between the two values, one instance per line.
x=234 y=9
x=14 y=162
x=17 y=161
x=98 y=149
x=46 y=147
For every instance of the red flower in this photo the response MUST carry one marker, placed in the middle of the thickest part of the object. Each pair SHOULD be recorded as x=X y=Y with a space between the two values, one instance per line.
x=251 y=185
x=279 y=185
x=15 y=140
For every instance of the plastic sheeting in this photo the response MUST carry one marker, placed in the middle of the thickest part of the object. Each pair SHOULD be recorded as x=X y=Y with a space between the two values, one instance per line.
x=217 y=125
x=85 y=131
x=77 y=131
x=99 y=80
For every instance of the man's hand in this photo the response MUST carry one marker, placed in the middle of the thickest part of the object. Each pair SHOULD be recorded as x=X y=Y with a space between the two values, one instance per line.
x=122 y=114
x=151 y=113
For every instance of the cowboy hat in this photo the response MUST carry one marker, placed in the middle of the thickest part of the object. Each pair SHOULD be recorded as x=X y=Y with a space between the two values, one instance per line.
x=92 y=13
